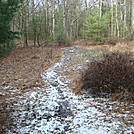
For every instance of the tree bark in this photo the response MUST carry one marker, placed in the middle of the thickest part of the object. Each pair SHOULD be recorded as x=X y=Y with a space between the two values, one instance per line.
x=100 y=6
x=117 y=22
x=132 y=19
x=34 y=23
x=112 y=19
x=53 y=18
x=24 y=27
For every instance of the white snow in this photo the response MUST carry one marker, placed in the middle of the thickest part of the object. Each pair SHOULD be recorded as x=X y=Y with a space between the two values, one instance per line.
x=56 y=110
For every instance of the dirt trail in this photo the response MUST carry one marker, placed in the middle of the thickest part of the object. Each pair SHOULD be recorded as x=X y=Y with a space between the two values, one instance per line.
x=54 y=109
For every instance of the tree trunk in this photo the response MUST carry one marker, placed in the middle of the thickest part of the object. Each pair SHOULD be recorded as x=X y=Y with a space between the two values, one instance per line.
x=24 y=26
x=132 y=18
x=53 y=18
x=100 y=6
x=64 y=18
x=112 y=19
x=46 y=19
x=25 y=32
x=117 y=22
x=34 y=23
x=125 y=16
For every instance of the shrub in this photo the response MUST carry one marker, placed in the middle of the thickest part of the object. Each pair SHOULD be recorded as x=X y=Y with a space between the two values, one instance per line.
x=96 y=28
x=114 y=73
x=5 y=48
x=112 y=40
x=8 y=8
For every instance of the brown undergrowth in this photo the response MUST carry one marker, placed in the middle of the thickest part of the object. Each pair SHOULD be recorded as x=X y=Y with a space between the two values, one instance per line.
x=119 y=60
x=114 y=73
x=23 y=67
x=20 y=72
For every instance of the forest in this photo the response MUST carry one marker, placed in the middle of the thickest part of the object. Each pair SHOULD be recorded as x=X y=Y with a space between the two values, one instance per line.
x=43 y=21
x=66 y=66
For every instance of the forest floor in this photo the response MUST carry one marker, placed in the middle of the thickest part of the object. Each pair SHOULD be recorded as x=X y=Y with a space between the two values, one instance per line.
x=38 y=96
x=22 y=68
x=20 y=72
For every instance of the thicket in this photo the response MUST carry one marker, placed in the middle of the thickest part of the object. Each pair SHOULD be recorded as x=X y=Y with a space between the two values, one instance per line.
x=108 y=25
x=8 y=9
x=113 y=74
x=96 y=27
x=60 y=34
x=63 y=21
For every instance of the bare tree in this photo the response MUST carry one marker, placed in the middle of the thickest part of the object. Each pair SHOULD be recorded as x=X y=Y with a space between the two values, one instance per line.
x=132 y=19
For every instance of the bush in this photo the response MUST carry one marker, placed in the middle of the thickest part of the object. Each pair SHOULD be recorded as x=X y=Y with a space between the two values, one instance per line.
x=8 y=8
x=4 y=48
x=96 y=28
x=114 y=73
x=112 y=40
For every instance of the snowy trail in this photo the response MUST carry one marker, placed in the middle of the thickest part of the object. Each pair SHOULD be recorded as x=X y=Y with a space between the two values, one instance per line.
x=56 y=110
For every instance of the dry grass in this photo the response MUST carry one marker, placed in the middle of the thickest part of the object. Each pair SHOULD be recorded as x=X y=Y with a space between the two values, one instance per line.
x=121 y=47
x=23 y=67
x=86 y=42
x=112 y=74
x=21 y=72
x=125 y=47
x=71 y=74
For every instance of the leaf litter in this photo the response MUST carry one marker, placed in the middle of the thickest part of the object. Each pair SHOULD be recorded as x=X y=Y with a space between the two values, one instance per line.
x=55 y=109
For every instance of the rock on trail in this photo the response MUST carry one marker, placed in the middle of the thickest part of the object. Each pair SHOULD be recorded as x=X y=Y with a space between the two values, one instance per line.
x=56 y=110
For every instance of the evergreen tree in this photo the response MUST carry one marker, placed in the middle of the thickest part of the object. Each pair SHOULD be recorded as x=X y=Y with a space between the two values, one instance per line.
x=60 y=31
x=96 y=27
x=8 y=9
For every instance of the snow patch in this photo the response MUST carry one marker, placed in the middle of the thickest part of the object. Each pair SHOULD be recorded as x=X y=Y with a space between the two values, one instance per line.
x=55 y=109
